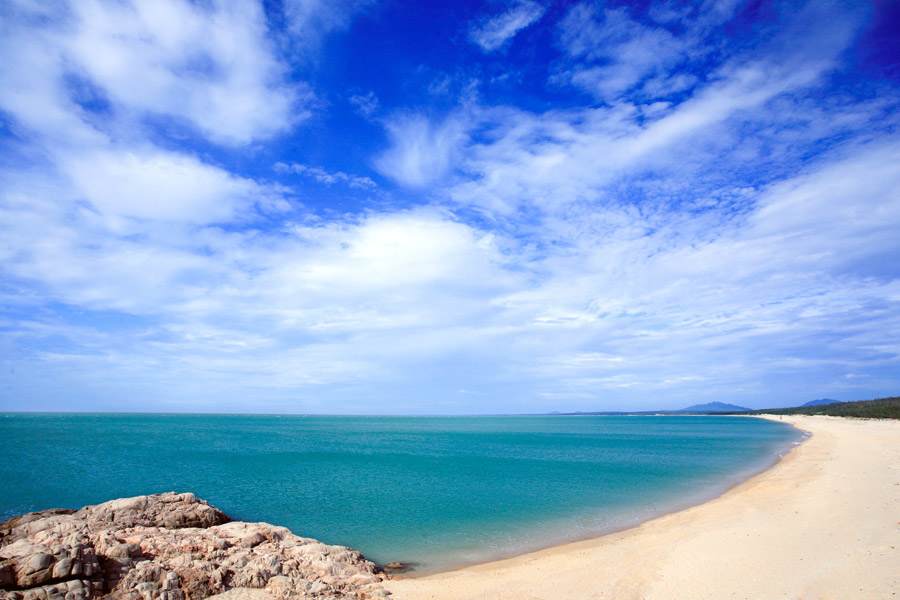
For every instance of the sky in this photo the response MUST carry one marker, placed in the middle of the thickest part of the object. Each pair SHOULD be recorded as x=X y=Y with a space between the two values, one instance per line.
x=360 y=207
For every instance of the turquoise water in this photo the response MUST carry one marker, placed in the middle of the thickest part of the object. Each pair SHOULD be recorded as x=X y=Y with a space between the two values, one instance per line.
x=440 y=491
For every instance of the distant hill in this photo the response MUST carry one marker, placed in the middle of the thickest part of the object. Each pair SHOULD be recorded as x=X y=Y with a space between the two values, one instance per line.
x=821 y=402
x=881 y=408
x=712 y=407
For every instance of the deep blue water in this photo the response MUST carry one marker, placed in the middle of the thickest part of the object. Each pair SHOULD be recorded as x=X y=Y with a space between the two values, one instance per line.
x=442 y=491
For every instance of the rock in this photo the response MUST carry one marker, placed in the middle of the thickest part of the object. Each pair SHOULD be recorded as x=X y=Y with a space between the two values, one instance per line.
x=62 y=568
x=34 y=570
x=7 y=574
x=171 y=547
x=398 y=567
x=124 y=551
x=242 y=594
x=254 y=539
x=171 y=510
x=37 y=562
x=7 y=526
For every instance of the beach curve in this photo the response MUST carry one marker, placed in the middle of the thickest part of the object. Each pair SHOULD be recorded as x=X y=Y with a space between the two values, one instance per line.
x=822 y=523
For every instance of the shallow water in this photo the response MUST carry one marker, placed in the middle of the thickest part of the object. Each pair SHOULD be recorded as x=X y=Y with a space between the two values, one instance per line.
x=440 y=491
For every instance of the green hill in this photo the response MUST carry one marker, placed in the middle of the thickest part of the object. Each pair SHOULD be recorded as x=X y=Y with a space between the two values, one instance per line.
x=882 y=408
x=820 y=402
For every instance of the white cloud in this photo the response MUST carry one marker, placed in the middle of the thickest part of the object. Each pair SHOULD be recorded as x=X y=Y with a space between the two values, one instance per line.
x=367 y=104
x=613 y=55
x=324 y=177
x=208 y=66
x=421 y=152
x=310 y=20
x=32 y=88
x=590 y=307
x=560 y=158
x=671 y=250
x=841 y=219
x=676 y=303
x=158 y=185
x=491 y=35
x=393 y=252
x=628 y=52
x=315 y=304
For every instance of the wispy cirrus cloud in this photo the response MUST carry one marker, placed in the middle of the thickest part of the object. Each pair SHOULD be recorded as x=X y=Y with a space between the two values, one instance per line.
x=634 y=248
x=366 y=104
x=421 y=152
x=492 y=34
x=618 y=53
x=308 y=21
x=612 y=54
x=322 y=176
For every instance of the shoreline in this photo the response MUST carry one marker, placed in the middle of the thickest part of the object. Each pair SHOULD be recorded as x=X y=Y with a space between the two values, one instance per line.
x=636 y=562
x=700 y=499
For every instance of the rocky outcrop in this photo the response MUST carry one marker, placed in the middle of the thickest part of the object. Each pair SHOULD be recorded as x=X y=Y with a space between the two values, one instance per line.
x=170 y=547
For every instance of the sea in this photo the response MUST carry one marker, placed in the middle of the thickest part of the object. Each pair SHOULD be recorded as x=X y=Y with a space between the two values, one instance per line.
x=438 y=492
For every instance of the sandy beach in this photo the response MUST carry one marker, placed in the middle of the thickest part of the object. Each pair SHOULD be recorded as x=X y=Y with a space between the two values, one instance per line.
x=822 y=523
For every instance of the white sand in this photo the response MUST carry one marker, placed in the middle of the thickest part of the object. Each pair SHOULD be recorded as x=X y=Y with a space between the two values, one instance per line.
x=823 y=523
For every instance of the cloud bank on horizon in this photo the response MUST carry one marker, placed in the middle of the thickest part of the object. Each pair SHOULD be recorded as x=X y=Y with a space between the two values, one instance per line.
x=355 y=207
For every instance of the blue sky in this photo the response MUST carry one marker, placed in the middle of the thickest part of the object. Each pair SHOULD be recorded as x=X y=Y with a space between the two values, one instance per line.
x=448 y=207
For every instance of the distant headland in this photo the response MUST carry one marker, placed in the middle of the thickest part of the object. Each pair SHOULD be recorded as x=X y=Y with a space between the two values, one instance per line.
x=880 y=408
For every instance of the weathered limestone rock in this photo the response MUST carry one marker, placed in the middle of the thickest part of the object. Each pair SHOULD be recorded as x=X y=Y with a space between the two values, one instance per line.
x=170 y=547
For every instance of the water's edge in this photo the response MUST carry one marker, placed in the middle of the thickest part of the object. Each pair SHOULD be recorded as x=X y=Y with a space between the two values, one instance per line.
x=746 y=479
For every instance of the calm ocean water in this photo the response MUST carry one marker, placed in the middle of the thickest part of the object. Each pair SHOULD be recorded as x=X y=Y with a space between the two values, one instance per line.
x=441 y=491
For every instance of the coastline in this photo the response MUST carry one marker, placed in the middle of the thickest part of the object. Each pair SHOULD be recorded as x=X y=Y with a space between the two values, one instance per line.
x=415 y=571
x=820 y=522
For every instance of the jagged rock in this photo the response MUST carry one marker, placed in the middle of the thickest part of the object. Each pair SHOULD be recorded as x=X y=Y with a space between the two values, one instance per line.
x=172 y=511
x=170 y=547
x=7 y=526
